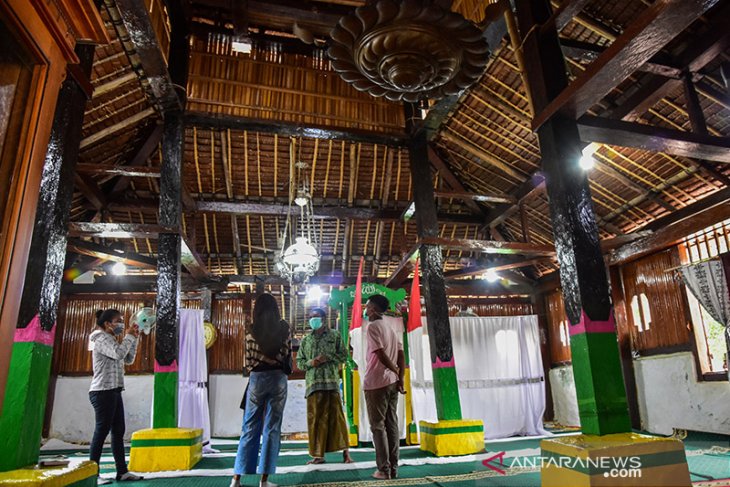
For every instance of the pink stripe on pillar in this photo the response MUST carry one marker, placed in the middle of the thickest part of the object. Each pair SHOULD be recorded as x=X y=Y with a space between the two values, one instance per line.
x=438 y=364
x=34 y=333
x=166 y=368
x=587 y=325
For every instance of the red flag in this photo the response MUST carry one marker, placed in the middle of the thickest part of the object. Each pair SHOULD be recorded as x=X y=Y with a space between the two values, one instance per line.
x=357 y=305
x=414 y=306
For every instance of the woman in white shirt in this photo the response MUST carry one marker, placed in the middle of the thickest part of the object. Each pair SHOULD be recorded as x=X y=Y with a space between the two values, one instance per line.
x=105 y=393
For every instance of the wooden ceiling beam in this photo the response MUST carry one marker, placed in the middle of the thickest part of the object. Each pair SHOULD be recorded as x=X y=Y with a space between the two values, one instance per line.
x=658 y=24
x=134 y=28
x=113 y=170
x=403 y=269
x=466 y=196
x=327 y=212
x=447 y=174
x=91 y=191
x=652 y=138
x=117 y=230
x=566 y=11
x=502 y=263
x=289 y=129
x=674 y=228
x=658 y=65
x=152 y=138
x=192 y=262
x=116 y=128
x=83 y=247
x=490 y=246
x=525 y=191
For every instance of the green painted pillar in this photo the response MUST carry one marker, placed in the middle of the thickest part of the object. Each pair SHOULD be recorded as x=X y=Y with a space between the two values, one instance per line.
x=164 y=409
x=21 y=421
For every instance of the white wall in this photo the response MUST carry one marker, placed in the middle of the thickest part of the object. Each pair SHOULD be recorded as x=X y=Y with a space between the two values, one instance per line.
x=668 y=392
x=226 y=391
x=73 y=417
x=565 y=402
x=671 y=397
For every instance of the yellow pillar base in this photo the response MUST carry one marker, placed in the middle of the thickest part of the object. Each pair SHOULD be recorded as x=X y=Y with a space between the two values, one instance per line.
x=452 y=437
x=161 y=449
x=624 y=459
x=77 y=474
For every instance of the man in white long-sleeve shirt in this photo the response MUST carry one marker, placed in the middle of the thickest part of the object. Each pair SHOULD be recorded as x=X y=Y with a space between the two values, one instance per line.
x=105 y=393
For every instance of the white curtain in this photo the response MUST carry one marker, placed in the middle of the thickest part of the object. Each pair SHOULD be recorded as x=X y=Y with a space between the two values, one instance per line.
x=192 y=394
x=358 y=342
x=499 y=368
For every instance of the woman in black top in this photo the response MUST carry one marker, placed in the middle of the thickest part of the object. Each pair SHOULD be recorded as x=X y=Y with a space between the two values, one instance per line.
x=268 y=362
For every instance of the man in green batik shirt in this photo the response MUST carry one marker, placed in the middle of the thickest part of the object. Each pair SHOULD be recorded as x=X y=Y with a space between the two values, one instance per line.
x=320 y=355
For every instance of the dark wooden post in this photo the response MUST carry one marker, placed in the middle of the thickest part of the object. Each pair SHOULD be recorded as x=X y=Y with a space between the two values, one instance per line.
x=446 y=388
x=25 y=401
x=169 y=245
x=597 y=369
x=168 y=275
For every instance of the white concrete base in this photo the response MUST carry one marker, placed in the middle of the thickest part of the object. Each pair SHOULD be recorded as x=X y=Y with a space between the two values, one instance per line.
x=565 y=402
x=72 y=419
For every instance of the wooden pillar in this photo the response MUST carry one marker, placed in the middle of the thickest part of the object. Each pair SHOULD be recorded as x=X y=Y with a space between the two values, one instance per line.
x=30 y=366
x=164 y=413
x=446 y=388
x=599 y=383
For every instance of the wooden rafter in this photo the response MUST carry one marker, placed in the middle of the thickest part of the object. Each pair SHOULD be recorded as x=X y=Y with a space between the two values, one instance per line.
x=92 y=249
x=289 y=129
x=642 y=39
x=491 y=246
x=657 y=139
x=117 y=230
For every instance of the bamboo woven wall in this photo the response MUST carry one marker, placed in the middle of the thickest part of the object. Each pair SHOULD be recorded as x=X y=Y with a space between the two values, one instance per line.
x=559 y=338
x=230 y=317
x=667 y=303
x=76 y=321
x=272 y=85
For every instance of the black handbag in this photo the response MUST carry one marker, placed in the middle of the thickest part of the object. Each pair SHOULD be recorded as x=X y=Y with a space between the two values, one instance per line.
x=288 y=364
x=243 y=400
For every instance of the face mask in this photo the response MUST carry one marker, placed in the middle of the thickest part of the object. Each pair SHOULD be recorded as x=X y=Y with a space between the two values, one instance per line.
x=365 y=315
x=118 y=328
x=315 y=323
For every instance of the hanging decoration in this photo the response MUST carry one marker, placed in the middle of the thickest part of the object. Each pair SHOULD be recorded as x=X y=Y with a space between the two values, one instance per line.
x=409 y=50
x=298 y=257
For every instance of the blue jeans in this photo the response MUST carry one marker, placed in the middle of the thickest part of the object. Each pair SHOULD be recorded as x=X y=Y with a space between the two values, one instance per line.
x=265 y=403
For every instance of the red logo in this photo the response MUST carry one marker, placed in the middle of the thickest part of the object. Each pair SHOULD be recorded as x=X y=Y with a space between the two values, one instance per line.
x=499 y=456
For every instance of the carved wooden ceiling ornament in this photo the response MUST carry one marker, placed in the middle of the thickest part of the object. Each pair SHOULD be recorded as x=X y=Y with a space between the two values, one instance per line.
x=408 y=50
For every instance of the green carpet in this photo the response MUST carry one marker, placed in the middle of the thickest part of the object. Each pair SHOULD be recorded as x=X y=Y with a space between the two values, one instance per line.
x=708 y=458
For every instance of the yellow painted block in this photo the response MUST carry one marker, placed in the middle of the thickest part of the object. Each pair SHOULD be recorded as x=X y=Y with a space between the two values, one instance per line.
x=354 y=440
x=162 y=449
x=619 y=460
x=452 y=437
x=80 y=473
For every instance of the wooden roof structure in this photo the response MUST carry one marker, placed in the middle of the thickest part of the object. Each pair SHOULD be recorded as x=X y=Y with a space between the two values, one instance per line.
x=657 y=127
